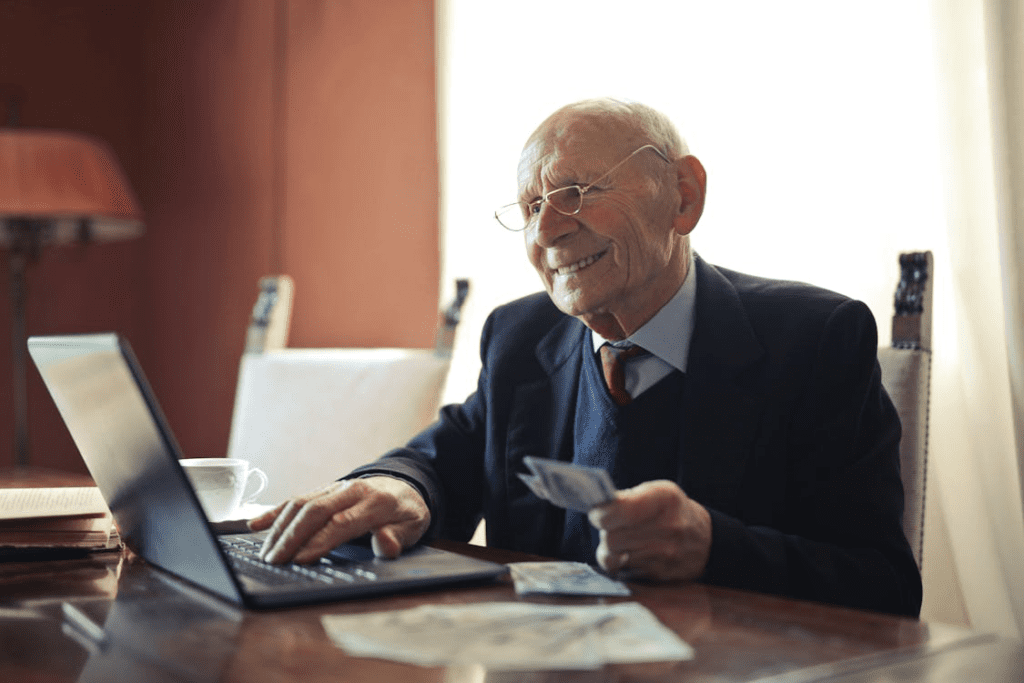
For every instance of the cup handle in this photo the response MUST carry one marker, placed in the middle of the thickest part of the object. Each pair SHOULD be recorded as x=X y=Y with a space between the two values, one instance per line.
x=262 y=476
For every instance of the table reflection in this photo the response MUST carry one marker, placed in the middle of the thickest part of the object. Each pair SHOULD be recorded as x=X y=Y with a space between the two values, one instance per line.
x=185 y=635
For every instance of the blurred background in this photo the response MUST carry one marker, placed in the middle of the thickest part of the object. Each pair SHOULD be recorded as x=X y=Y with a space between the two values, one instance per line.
x=361 y=147
x=260 y=137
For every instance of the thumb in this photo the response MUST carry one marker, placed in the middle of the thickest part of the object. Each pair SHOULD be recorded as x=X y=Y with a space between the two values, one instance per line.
x=386 y=542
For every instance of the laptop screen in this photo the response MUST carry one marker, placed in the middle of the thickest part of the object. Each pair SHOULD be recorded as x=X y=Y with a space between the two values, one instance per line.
x=131 y=454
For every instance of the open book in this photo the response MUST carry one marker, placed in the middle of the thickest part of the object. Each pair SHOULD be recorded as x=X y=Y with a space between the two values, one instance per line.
x=55 y=518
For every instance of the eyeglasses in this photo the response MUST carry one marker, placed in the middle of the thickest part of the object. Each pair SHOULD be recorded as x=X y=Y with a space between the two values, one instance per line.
x=567 y=201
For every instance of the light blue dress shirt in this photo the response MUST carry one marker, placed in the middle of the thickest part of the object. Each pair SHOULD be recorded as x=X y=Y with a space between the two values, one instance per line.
x=667 y=336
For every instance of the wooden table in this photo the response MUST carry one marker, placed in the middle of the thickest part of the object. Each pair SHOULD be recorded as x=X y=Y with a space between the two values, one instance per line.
x=157 y=628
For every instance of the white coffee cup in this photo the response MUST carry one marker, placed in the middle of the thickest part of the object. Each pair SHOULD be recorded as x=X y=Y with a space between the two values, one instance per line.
x=220 y=484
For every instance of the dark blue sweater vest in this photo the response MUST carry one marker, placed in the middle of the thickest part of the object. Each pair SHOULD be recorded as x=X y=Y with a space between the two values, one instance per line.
x=635 y=443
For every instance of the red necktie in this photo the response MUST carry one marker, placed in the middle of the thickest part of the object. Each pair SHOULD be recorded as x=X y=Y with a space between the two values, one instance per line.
x=613 y=362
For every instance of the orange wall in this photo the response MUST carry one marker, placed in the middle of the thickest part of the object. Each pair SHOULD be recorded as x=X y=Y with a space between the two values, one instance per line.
x=361 y=188
x=291 y=136
x=78 y=66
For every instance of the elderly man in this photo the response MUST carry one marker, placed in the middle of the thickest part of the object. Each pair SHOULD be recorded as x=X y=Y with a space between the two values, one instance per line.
x=747 y=430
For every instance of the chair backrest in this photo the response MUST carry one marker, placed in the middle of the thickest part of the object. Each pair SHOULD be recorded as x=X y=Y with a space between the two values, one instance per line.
x=309 y=416
x=906 y=376
x=271 y=315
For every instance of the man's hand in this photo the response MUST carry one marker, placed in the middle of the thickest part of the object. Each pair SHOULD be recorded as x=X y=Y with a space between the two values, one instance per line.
x=306 y=527
x=654 y=531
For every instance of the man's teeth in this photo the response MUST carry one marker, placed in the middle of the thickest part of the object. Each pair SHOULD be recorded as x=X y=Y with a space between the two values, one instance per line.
x=573 y=267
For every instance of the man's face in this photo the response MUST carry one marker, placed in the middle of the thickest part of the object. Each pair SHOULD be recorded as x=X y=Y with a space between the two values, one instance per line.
x=616 y=262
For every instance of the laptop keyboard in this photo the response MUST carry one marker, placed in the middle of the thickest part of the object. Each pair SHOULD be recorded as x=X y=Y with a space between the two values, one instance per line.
x=244 y=555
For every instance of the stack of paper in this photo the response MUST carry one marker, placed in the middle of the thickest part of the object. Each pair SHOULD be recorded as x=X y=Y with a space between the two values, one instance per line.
x=54 y=518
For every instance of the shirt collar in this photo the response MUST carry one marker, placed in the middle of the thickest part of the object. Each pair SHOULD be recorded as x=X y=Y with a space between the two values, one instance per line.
x=667 y=335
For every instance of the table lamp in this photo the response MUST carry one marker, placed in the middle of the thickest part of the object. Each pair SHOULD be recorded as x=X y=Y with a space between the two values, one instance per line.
x=56 y=188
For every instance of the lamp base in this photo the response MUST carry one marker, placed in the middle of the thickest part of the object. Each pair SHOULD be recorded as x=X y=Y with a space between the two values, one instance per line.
x=25 y=236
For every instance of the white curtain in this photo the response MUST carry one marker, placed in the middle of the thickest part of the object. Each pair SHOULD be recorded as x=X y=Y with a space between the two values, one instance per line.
x=977 y=464
x=832 y=134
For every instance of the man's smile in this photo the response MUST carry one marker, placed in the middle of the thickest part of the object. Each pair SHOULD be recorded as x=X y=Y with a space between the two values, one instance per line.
x=579 y=265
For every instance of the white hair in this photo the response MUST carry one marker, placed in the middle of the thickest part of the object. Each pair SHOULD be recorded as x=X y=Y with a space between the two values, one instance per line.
x=650 y=124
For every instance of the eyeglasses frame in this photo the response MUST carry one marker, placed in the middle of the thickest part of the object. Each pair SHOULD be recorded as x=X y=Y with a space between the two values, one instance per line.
x=583 y=189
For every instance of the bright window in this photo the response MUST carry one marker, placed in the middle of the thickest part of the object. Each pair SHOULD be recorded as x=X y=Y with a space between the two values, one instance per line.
x=816 y=122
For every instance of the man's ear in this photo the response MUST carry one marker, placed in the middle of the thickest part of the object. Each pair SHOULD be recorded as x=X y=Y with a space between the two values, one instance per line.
x=693 y=180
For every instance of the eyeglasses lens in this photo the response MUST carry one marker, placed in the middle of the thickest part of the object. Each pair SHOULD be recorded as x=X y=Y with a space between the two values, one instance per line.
x=566 y=200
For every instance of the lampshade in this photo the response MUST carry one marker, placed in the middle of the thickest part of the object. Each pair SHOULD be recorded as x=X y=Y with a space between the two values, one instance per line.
x=70 y=181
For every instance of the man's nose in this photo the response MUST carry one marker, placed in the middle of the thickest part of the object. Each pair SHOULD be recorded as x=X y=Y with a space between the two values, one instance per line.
x=550 y=225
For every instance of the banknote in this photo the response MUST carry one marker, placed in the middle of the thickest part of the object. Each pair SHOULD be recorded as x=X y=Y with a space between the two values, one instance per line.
x=573 y=487
x=510 y=636
x=563 y=578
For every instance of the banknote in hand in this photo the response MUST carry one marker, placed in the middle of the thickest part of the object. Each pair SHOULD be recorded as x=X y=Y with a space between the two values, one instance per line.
x=573 y=487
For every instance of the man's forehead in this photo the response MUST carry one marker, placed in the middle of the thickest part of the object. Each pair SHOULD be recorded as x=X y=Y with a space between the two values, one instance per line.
x=577 y=140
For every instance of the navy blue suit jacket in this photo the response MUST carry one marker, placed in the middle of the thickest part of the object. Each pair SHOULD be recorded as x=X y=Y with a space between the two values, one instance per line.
x=790 y=441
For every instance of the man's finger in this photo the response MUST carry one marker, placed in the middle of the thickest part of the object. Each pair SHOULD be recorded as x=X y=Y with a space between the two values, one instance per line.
x=332 y=533
x=655 y=565
x=629 y=539
x=634 y=506
x=262 y=522
x=281 y=516
x=676 y=547
x=387 y=542
x=368 y=514
x=305 y=532
x=611 y=561
x=281 y=521
x=634 y=560
x=303 y=517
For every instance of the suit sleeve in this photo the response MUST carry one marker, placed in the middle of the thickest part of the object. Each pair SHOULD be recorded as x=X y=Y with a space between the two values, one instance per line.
x=841 y=539
x=445 y=462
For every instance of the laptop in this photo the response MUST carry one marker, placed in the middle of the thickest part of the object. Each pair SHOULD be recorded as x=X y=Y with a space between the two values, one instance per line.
x=117 y=425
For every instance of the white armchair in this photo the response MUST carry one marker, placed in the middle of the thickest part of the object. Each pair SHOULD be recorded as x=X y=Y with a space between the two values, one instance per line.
x=308 y=416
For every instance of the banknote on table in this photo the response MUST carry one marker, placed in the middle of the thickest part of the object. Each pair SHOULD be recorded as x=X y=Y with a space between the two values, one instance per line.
x=509 y=636
x=573 y=487
x=563 y=578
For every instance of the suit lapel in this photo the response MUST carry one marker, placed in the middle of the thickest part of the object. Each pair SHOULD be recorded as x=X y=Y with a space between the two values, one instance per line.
x=540 y=425
x=721 y=405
